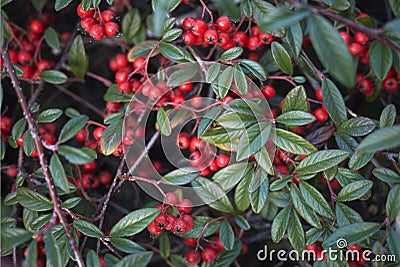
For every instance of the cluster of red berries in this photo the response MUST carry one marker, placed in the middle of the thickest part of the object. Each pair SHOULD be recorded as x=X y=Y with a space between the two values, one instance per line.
x=318 y=250
x=390 y=83
x=174 y=216
x=98 y=25
x=123 y=70
x=28 y=44
x=196 y=145
x=224 y=34
x=320 y=114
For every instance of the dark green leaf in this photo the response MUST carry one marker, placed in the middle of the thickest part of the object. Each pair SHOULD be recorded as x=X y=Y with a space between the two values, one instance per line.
x=212 y=72
x=293 y=143
x=241 y=222
x=381 y=139
x=240 y=80
x=296 y=233
x=352 y=233
x=393 y=203
x=334 y=102
x=58 y=173
x=359 y=160
x=327 y=41
x=29 y=144
x=227 y=257
x=282 y=58
x=111 y=137
x=302 y=208
x=295 y=118
x=51 y=38
x=294 y=36
x=172 y=52
x=281 y=17
x=212 y=194
x=142 y=49
x=387 y=175
x=77 y=58
x=113 y=95
x=181 y=76
x=165 y=246
x=199 y=223
x=75 y=155
x=131 y=24
x=53 y=76
x=88 y=229
x=280 y=224
x=381 y=58
x=92 y=259
x=315 y=200
x=296 y=99
x=242 y=194
x=49 y=115
x=263 y=159
x=53 y=254
x=321 y=161
x=226 y=235
x=134 y=222
x=71 y=202
x=137 y=260
x=225 y=81
x=358 y=126
x=393 y=242
x=33 y=200
x=38 y=4
x=126 y=245
x=253 y=140
x=32 y=254
x=60 y=4
x=72 y=127
x=388 y=116
x=258 y=198
x=180 y=176
x=232 y=53
x=345 y=215
x=18 y=128
x=163 y=122
x=354 y=190
x=13 y=237
x=255 y=68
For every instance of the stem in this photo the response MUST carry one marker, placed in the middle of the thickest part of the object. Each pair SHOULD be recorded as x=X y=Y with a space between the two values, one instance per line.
x=133 y=178
x=103 y=80
x=285 y=78
x=205 y=227
x=42 y=159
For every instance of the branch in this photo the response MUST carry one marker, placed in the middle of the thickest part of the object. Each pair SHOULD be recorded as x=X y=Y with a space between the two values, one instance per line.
x=42 y=159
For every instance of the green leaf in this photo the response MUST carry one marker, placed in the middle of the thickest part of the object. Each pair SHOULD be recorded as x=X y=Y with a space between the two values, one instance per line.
x=293 y=143
x=242 y=194
x=225 y=82
x=13 y=237
x=212 y=72
x=240 y=80
x=282 y=58
x=354 y=190
x=393 y=242
x=253 y=140
x=280 y=224
x=358 y=126
x=229 y=176
x=71 y=202
x=126 y=245
x=75 y=155
x=232 y=53
x=181 y=76
x=281 y=17
x=163 y=122
x=38 y=4
x=227 y=257
x=258 y=198
x=32 y=200
x=134 y=222
x=165 y=246
x=212 y=194
x=327 y=41
x=294 y=37
x=321 y=161
x=241 y=222
x=29 y=144
x=359 y=160
x=302 y=208
x=263 y=160
x=345 y=215
x=352 y=233
x=53 y=76
x=334 y=102
x=386 y=175
x=18 y=128
x=295 y=118
x=395 y=6
x=388 y=116
x=77 y=58
x=131 y=24
x=381 y=139
x=255 y=68
x=381 y=58
x=296 y=233
x=113 y=95
x=32 y=254
x=111 y=138
x=137 y=260
x=393 y=203
x=315 y=200
x=142 y=49
x=296 y=99
x=51 y=38
x=58 y=173
x=92 y=259
x=172 y=52
x=226 y=235
x=180 y=176
x=88 y=229
x=49 y=115
x=60 y=4
x=53 y=254
x=72 y=127
x=199 y=223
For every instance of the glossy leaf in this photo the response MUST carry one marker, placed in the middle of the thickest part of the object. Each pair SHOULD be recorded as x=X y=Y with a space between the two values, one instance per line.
x=358 y=126
x=72 y=127
x=49 y=115
x=393 y=203
x=77 y=58
x=134 y=222
x=53 y=76
x=180 y=176
x=75 y=155
x=381 y=58
x=334 y=102
x=137 y=260
x=354 y=190
x=388 y=116
x=280 y=224
x=58 y=173
x=295 y=118
x=131 y=24
x=282 y=58
x=381 y=139
x=293 y=143
x=296 y=233
x=296 y=99
x=232 y=53
x=321 y=161
x=88 y=229
x=226 y=235
x=111 y=137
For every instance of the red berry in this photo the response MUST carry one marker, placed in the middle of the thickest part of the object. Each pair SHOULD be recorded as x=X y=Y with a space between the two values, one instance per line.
x=266 y=38
x=199 y=27
x=186 y=87
x=296 y=180
x=5 y=124
x=171 y=199
x=253 y=43
x=189 y=221
x=195 y=159
x=283 y=169
x=240 y=39
x=161 y=220
x=318 y=94
x=111 y=28
x=187 y=24
x=189 y=38
x=223 y=160
x=125 y=87
x=84 y=14
x=87 y=23
x=97 y=31
x=121 y=61
x=390 y=85
x=255 y=30
x=224 y=40
x=223 y=23
x=171 y=220
x=153 y=229
x=365 y=87
x=213 y=166
x=196 y=101
x=320 y=115
x=108 y=15
x=138 y=64
x=346 y=37
x=155 y=93
x=192 y=257
x=210 y=36
x=105 y=177
x=190 y=241
x=89 y=181
x=185 y=206
x=43 y=65
x=36 y=26
x=98 y=132
x=24 y=57
x=113 y=106
x=12 y=171
x=209 y=254
x=121 y=76
x=312 y=247
x=268 y=91
x=360 y=38
x=183 y=141
x=179 y=226
x=220 y=246
x=354 y=247
x=196 y=144
x=354 y=48
x=91 y=166
x=13 y=55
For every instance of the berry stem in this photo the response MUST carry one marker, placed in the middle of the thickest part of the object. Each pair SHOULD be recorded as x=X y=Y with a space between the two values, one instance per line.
x=208 y=11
